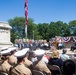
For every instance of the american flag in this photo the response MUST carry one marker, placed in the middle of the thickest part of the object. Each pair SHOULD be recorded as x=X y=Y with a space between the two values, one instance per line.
x=26 y=11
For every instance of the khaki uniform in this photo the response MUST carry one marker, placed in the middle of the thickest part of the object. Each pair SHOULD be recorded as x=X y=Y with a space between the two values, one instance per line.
x=1 y=61
x=27 y=62
x=41 y=66
x=20 y=69
x=12 y=60
x=5 y=67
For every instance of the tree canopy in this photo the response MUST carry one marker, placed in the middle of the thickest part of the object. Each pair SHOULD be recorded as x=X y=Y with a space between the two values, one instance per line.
x=41 y=30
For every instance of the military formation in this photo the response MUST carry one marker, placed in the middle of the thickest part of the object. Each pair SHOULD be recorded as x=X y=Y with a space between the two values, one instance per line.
x=18 y=62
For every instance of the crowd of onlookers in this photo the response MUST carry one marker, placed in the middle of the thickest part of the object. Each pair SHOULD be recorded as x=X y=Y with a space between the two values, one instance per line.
x=25 y=57
x=32 y=44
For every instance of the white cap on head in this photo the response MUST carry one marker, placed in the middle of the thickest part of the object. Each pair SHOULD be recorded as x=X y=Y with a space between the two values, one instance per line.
x=26 y=49
x=12 y=48
x=4 y=48
x=5 y=52
x=21 y=53
x=39 y=52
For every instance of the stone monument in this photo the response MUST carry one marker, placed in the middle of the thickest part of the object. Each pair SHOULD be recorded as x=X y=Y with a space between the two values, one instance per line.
x=5 y=29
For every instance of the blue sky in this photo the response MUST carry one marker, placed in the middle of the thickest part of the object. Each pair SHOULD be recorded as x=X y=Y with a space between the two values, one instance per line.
x=42 y=11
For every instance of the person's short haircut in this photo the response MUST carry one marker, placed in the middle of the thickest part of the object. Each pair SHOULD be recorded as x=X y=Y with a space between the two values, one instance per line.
x=12 y=51
x=20 y=59
x=64 y=51
x=68 y=67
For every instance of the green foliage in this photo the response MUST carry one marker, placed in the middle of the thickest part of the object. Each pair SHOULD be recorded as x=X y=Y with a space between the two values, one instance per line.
x=40 y=31
x=18 y=28
x=72 y=27
x=43 y=30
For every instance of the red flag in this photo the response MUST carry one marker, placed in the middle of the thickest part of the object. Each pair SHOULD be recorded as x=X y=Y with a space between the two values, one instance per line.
x=26 y=11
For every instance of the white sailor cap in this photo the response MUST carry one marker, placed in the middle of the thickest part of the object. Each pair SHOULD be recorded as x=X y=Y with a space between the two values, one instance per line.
x=26 y=49
x=4 y=48
x=39 y=52
x=12 y=48
x=5 y=52
x=20 y=54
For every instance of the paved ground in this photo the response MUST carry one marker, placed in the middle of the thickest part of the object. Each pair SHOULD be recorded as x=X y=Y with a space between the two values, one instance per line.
x=49 y=52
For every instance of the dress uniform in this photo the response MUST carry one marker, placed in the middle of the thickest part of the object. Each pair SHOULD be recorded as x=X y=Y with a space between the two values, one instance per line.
x=20 y=68
x=5 y=66
x=1 y=59
x=27 y=63
x=39 y=64
x=12 y=59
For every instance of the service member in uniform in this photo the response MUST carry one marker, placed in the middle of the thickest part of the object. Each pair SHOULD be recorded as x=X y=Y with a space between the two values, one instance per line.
x=27 y=62
x=12 y=59
x=5 y=66
x=39 y=65
x=1 y=59
x=20 y=69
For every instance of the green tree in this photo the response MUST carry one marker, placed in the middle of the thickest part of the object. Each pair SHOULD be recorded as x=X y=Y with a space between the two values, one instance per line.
x=18 y=28
x=43 y=30
x=65 y=30
x=54 y=30
x=58 y=29
x=72 y=27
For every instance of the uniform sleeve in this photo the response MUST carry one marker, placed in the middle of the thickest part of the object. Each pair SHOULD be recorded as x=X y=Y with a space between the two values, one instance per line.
x=3 y=68
x=14 y=72
x=46 y=70
x=15 y=60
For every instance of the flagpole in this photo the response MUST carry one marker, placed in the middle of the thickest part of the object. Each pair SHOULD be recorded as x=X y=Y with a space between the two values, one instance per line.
x=26 y=31
x=26 y=15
